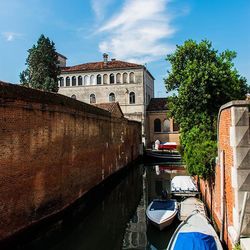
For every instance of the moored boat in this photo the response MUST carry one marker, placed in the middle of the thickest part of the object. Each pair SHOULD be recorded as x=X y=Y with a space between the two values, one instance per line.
x=161 y=213
x=189 y=206
x=195 y=233
x=162 y=155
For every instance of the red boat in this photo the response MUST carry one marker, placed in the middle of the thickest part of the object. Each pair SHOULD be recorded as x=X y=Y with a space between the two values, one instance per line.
x=167 y=146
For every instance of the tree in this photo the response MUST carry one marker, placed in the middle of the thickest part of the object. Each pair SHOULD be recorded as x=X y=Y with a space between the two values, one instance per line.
x=42 y=66
x=204 y=80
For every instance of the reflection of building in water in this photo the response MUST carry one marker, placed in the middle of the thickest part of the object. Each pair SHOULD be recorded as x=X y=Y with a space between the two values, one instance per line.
x=135 y=236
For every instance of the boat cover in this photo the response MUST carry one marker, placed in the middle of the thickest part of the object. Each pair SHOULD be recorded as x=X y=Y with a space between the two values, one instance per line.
x=195 y=241
x=183 y=183
x=162 y=205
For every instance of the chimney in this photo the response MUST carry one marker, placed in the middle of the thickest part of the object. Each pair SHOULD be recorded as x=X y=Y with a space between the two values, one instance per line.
x=105 y=58
x=113 y=59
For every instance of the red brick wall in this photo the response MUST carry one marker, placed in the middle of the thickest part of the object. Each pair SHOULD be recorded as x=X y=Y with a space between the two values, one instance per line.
x=53 y=150
x=211 y=189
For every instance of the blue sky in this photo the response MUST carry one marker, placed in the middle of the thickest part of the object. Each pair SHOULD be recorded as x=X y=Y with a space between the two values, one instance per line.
x=142 y=31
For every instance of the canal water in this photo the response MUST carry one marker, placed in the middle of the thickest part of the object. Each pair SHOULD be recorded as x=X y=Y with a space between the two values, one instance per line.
x=111 y=217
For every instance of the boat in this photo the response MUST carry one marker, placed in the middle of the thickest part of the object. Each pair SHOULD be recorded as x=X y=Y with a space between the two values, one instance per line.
x=189 y=206
x=162 y=155
x=195 y=233
x=161 y=213
x=183 y=186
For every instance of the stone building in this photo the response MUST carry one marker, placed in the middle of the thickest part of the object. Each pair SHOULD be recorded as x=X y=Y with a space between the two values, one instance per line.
x=159 y=127
x=130 y=84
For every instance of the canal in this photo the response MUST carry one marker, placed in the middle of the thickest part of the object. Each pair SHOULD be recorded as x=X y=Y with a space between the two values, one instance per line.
x=111 y=216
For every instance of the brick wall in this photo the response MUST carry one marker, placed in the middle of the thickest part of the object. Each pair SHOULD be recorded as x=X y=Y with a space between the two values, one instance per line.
x=53 y=149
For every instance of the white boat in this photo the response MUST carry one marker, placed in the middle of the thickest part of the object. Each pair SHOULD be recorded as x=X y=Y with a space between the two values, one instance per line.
x=189 y=206
x=195 y=233
x=183 y=186
x=161 y=213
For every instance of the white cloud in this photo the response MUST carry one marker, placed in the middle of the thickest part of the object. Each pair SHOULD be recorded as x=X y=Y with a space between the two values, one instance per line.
x=139 y=31
x=11 y=36
x=100 y=6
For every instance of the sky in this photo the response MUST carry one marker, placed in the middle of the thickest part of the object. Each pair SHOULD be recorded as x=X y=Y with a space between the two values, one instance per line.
x=140 y=31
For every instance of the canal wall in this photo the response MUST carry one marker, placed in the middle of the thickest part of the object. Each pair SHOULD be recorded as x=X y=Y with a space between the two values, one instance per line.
x=225 y=192
x=53 y=150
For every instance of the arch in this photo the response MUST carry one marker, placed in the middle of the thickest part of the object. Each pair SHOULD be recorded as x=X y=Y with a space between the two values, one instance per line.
x=166 y=125
x=111 y=97
x=118 y=78
x=73 y=97
x=86 y=78
x=175 y=126
x=125 y=78
x=61 y=81
x=132 y=97
x=132 y=77
x=73 y=81
x=157 y=125
x=112 y=78
x=67 y=81
x=99 y=79
x=79 y=80
x=105 y=79
x=92 y=80
x=92 y=98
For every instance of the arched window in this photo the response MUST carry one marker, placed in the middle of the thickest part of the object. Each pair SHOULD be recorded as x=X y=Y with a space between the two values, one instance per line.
x=73 y=81
x=105 y=79
x=61 y=81
x=73 y=97
x=132 y=77
x=131 y=97
x=125 y=78
x=92 y=79
x=118 y=78
x=166 y=126
x=92 y=98
x=99 y=79
x=111 y=97
x=86 y=80
x=175 y=126
x=111 y=79
x=157 y=125
x=67 y=81
x=79 y=80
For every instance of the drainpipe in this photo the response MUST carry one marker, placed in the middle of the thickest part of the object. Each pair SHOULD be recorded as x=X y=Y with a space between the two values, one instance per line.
x=242 y=216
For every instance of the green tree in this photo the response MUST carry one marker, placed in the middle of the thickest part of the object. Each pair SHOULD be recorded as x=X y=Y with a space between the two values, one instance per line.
x=204 y=80
x=42 y=66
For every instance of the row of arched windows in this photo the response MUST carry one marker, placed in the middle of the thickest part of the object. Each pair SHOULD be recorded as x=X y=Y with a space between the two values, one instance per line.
x=92 y=98
x=99 y=79
x=166 y=126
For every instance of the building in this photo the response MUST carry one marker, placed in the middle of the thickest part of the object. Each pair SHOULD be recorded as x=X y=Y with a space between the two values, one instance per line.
x=130 y=84
x=159 y=127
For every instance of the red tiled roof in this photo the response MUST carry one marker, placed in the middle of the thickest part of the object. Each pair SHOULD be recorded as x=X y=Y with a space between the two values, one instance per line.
x=157 y=104
x=113 y=107
x=96 y=66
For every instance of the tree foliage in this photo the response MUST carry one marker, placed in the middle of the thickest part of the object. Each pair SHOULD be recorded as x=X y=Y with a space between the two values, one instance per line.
x=204 y=80
x=42 y=66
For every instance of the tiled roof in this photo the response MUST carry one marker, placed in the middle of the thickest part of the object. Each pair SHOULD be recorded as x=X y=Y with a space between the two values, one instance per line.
x=113 y=107
x=157 y=104
x=96 y=66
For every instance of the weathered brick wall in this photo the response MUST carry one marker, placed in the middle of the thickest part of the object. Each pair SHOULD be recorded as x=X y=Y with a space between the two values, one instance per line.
x=53 y=149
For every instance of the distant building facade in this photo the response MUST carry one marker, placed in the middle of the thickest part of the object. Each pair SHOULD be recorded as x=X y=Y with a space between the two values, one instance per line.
x=130 y=84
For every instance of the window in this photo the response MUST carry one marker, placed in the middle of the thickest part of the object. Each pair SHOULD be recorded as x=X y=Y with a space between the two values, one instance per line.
x=132 y=77
x=92 y=98
x=105 y=79
x=73 y=81
x=111 y=97
x=86 y=80
x=79 y=80
x=92 y=79
x=99 y=79
x=166 y=126
x=125 y=78
x=61 y=81
x=73 y=97
x=131 y=97
x=67 y=81
x=118 y=78
x=157 y=125
x=111 y=78
x=175 y=126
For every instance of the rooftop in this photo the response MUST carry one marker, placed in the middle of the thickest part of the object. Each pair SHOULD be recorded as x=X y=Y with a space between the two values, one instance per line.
x=157 y=104
x=112 y=107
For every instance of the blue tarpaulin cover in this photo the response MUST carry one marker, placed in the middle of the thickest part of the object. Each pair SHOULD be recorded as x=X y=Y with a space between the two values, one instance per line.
x=163 y=205
x=195 y=241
